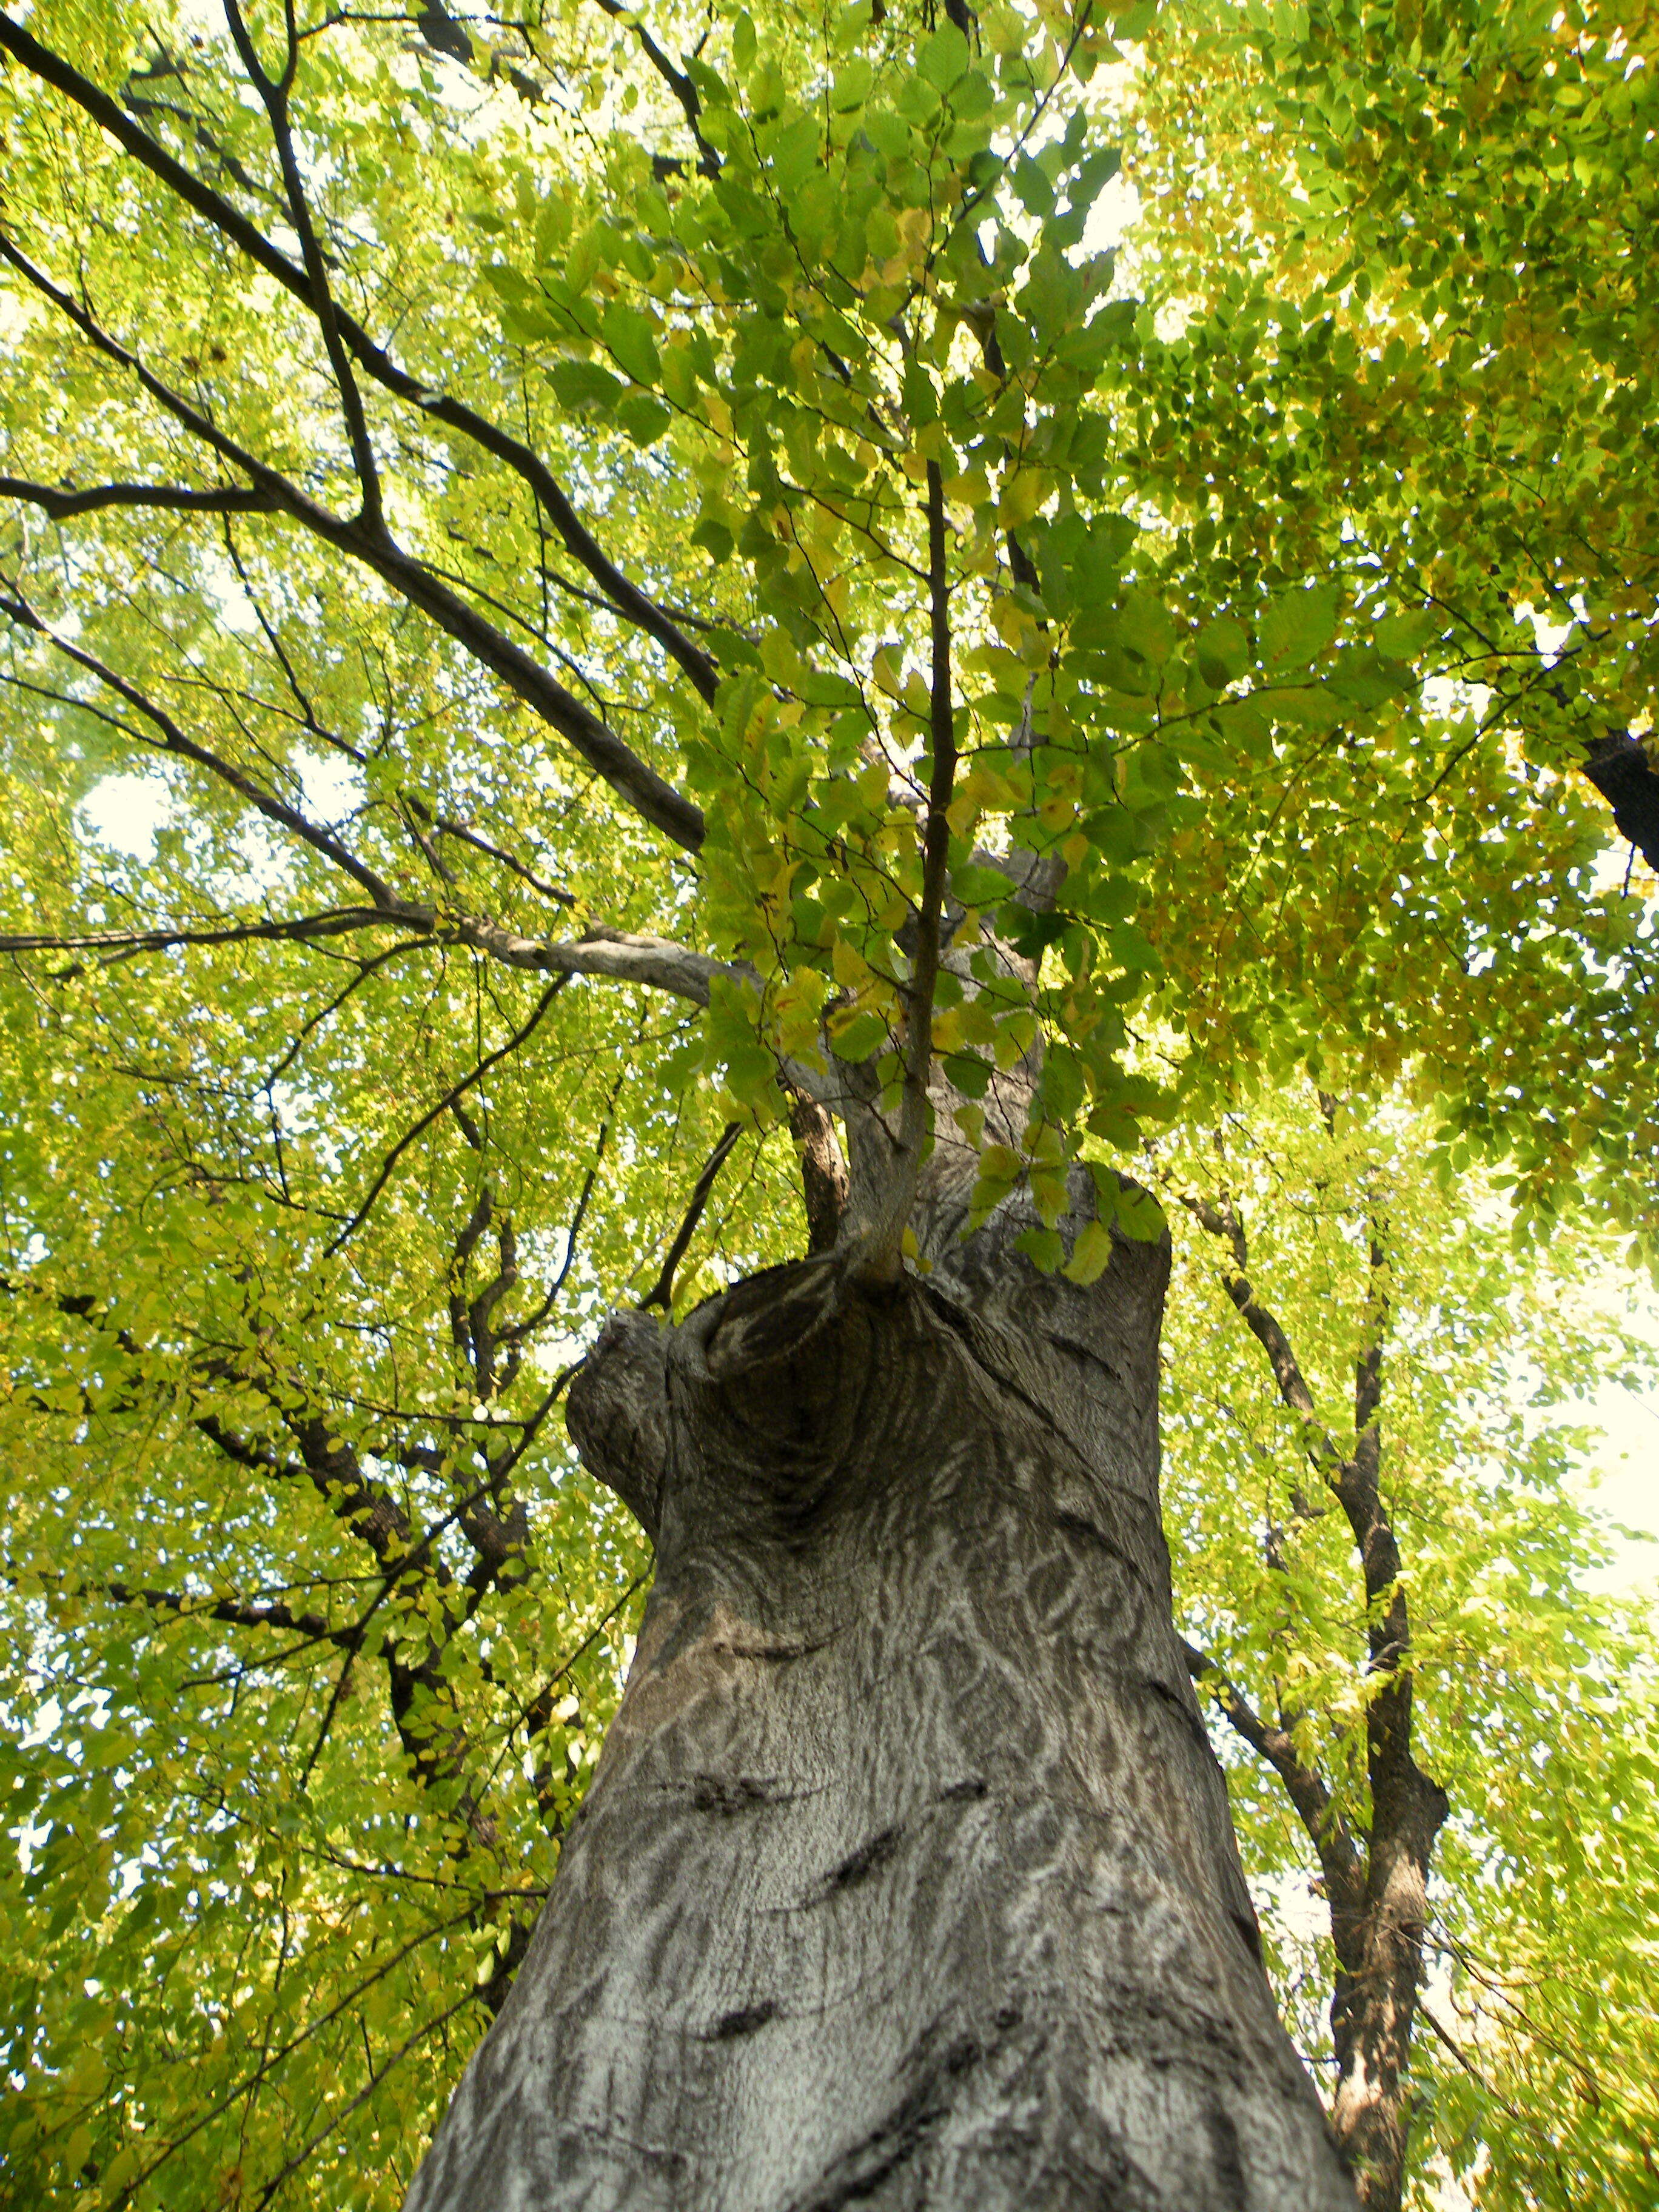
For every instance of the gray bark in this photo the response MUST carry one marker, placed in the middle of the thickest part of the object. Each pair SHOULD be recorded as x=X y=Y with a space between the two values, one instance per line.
x=907 y=1878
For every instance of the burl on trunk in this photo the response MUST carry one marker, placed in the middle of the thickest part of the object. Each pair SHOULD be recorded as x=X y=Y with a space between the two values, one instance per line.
x=907 y=1878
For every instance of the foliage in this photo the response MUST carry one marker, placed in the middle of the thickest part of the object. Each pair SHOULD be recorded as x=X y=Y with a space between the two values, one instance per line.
x=1533 y=1701
x=1405 y=297
x=591 y=548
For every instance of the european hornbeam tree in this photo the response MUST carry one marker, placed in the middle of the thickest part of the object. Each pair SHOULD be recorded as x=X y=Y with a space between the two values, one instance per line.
x=1331 y=1303
x=646 y=554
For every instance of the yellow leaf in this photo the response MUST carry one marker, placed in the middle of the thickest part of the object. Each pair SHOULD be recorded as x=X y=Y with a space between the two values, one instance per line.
x=1023 y=494
x=1014 y=623
x=971 y=489
x=1091 y=1254
x=851 y=970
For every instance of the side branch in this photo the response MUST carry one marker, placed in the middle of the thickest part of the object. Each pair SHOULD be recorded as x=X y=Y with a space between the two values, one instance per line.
x=274 y=95
x=650 y=795
x=235 y=1613
x=1618 y=767
x=887 y=1232
x=172 y=739
x=661 y=1293
x=1329 y=1834
x=62 y=503
x=626 y=596
x=451 y=1098
x=120 y=944
x=678 y=82
x=1223 y=1223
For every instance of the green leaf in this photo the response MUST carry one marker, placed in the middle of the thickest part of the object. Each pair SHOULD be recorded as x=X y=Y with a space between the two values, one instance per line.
x=970 y=1073
x=715 y=539
x=1043 y=1248
x=1403 y=636
x=1091 y=1254
x=1221 y=652
x=1030 y=933
x=643 y=417
x=1298 y=626
x=855 y=1039
x=944 y=57
x=583 y=387
x=631 y=336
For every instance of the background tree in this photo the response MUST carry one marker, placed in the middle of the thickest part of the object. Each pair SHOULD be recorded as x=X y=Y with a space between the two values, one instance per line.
x=648 y=594
x=1367 y=1346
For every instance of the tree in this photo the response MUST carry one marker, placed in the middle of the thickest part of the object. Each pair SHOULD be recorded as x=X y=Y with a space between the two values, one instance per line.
x=662 y=534
x=1330 y=1270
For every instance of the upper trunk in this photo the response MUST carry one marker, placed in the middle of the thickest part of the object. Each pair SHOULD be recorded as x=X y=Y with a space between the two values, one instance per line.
x=1378 y=1941
x=907 y=1878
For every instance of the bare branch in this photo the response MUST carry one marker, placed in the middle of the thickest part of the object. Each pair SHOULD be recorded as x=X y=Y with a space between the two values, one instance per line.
x=677 y=81
x=655 y=962
x=235 y=1612
x=337 y=922
x=887 y=1232
x=61 y=504
x=661 y=1293
x=173 y=739
x=1339 y=1855
x=520 y=1036
x=464 y=833
x=273 y=94
x=1223 y=1223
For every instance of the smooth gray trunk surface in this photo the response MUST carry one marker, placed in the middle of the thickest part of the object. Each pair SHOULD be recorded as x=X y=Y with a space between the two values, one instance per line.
x=907 y=1878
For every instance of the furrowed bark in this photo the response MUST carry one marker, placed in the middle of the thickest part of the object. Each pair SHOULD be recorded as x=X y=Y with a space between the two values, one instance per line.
x=907 y=1878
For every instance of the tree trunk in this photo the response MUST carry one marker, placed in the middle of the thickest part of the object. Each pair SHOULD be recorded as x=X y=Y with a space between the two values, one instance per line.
x=1379 y=1955
x=907 y=1878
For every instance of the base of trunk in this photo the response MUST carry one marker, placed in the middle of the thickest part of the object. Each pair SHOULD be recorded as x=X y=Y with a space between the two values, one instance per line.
x=907 y=1878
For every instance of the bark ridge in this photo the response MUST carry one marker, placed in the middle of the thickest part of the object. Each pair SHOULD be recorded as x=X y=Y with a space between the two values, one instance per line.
x=907 y=1878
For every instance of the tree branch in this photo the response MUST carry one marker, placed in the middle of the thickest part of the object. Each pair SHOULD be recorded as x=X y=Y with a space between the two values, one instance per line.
x=1339 y=1855
x=273 y=94
x=1224 y=1225
x=626 y=596
x=661 y=1293
x=234 y=1612
x=337 y=922
x=887 y=1233
x=173 y=740
x=678 y=82
x=650 y=795
x=824 y=1180
x=61 y=504
x=520 y=1037
x=1617 y=765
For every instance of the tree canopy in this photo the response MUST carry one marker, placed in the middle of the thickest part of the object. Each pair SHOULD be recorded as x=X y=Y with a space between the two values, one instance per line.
x=673 y=588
